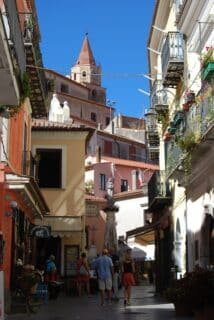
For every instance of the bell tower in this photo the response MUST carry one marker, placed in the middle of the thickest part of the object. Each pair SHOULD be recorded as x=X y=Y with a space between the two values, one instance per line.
x=86 y=72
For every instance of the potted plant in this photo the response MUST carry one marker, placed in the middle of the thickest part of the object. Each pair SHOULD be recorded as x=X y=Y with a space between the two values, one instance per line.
x=179 y=295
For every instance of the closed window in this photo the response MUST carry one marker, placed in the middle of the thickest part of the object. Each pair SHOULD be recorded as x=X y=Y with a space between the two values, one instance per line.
x=102 y=181
x=50 y=168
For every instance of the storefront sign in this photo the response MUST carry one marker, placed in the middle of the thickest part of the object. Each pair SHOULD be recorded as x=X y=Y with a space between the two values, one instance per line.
x=39 y=231
x=1 y=295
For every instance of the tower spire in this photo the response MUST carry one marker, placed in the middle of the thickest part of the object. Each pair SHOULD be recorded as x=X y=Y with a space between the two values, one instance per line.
x=86 y=55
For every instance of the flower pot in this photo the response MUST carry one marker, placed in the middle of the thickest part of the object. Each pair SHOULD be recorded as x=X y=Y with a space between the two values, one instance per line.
x=186 y=106
x=167 y=136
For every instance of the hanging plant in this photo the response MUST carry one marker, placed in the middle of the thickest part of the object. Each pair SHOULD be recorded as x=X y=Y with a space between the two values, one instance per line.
x=25 y=87
x=8 y=111
x=188 y=142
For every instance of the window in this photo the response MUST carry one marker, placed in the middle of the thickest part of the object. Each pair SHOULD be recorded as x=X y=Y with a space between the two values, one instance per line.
x=64 y=88
x=102 y=181
x=84 y=74
x=107 y=121
x=93 y=116
x=123 y=185
x=50 y=168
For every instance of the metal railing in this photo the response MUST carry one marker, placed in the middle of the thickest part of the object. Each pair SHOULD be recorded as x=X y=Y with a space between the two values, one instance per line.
x=173 y=50
x=199 y=120
x=159 y=95
x=13 y=32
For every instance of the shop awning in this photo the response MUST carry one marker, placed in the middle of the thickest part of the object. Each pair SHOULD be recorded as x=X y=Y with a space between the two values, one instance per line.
x=144 y=235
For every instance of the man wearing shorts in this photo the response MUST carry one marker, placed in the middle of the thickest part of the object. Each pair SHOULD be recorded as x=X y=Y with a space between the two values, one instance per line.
x=104 y=267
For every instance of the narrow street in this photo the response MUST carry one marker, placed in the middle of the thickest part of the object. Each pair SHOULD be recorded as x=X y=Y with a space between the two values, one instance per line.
x=145 y=306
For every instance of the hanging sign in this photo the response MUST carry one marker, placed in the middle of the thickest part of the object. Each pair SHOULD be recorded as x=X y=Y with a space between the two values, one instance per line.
x=39 y=231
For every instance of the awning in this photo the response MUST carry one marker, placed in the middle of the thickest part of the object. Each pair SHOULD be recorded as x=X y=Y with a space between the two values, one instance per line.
x=144 y=235
x=29 y=192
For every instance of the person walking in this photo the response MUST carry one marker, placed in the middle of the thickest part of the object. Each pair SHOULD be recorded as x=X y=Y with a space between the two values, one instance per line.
x=128 y=270
x=105 y=270
x=83 y=274
x=115 y=278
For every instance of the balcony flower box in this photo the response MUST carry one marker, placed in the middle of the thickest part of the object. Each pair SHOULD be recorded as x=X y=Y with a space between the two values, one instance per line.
x=167 y=136
x=186 y=106
x=208 y=71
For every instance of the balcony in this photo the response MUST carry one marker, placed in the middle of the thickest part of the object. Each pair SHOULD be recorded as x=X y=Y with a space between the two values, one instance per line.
x=34 y=67
x=159 y=98
x=192 y=140
x=172 y=59
x=159 y=193
x=12 y=55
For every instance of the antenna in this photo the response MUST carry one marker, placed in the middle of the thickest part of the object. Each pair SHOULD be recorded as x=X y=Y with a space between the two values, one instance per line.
x=153 y=50
x=144 y=92
x=159 y=29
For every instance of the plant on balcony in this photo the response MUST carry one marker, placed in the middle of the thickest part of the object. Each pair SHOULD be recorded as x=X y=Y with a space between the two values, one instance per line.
x=8 y=111
x=164 y=120
x=188 y=142
x=207 y=57
x=25 y=87
x=89 y=186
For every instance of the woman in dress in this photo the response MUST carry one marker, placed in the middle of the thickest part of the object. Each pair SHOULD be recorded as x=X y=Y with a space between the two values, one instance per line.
x=128 y=270
x=83 y=274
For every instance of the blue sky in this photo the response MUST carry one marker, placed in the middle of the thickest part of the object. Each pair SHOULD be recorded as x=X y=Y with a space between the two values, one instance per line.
x=118 y=33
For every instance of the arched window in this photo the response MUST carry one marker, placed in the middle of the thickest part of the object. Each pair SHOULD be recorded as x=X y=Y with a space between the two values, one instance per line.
x=84 y=73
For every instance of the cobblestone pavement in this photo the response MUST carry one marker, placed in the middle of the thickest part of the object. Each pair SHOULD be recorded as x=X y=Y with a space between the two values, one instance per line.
x=145 y=305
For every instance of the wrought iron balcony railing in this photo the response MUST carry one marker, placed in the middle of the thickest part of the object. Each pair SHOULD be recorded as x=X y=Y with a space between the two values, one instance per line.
x=197 y=123
x=159 y=97
x=172 y=58
x=35 y=71
x=11 y=22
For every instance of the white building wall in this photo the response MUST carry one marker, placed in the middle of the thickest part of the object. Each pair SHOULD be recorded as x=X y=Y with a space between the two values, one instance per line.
x=130 y=215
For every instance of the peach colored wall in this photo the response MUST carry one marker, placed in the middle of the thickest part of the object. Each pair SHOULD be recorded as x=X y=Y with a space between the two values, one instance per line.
x=16 y=133
x=99 y=224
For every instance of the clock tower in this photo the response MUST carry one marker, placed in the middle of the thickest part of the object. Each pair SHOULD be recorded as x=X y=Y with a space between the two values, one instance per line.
x=86 y=72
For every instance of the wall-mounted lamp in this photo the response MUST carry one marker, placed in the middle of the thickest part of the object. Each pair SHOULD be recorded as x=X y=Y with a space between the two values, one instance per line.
x=14 y=208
